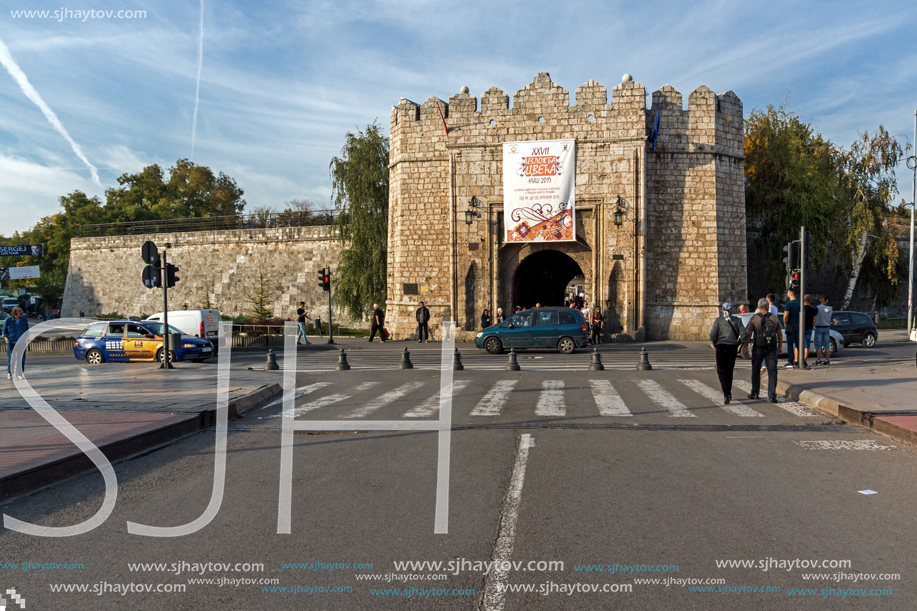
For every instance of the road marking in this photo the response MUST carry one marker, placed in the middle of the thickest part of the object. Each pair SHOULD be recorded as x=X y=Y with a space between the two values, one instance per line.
x=859 y=444
x=324 y=401
x=380 y=402
x=495 y=399
x=303 y=390
x=607 y=399
x=664 y=398
x=551 y=399
x=797 y=409
x=503 y=548
x=736 y=407
x=431 y=405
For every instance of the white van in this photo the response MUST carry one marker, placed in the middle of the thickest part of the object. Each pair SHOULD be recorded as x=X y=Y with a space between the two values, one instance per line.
x=196 y=323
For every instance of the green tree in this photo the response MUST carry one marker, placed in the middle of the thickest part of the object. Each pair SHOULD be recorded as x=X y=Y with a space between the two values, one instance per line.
x=795 y=177
x=360 y=195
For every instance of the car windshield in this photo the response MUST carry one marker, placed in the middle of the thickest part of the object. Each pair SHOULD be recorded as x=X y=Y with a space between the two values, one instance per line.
x=156 y=327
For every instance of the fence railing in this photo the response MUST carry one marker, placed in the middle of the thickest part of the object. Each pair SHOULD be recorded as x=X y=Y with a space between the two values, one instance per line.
x=309 y=218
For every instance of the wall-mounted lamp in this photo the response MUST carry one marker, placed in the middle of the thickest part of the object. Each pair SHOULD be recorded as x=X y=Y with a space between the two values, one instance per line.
x=619 y=214
x=470 y=214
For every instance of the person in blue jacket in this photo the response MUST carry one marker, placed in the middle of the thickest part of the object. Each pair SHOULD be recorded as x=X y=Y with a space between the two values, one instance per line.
x=14 y=328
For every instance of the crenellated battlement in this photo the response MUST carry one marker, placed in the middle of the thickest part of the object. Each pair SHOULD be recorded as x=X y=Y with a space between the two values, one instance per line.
x=711 y=123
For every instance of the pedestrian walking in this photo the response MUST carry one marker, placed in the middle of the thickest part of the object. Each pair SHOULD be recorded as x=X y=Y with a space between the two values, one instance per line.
x=597 y=320
x=485 y=319
x=423 y=319
x=499 y=318
x=301 y=317
x=726 y=335
x=763 y=333
x=791 y=323
x=14 y=328
x=378 y=323
x=823 y=331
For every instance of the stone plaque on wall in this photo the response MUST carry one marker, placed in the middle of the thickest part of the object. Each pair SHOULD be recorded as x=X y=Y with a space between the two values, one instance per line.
x=410 y=289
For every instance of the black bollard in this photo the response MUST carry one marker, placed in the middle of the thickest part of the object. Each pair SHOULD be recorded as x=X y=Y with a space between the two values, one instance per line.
x=342 y=365
x=405 y=360
x=596 y=364
x=644 y=364
x=513 y=364
x=271 y=363
x=457 y=361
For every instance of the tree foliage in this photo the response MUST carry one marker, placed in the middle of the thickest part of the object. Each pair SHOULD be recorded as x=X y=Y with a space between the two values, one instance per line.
x=189 y=191
x=360 y=195
x=843 y=196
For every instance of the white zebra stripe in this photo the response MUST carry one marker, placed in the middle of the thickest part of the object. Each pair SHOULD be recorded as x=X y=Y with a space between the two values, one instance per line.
x=382 y=401
x=607 y=399
x=325 y=401
x=735 y=407
x=797 y=409
x=495 y=399
x=664 y=398
x=551 y=399
x=431 y=405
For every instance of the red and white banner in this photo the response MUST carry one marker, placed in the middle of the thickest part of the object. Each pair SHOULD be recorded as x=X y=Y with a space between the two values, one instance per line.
x=539 y=179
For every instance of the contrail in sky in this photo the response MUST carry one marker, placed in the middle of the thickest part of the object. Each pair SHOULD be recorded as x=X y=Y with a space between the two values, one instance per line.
x=197 y=91
x=6 y=58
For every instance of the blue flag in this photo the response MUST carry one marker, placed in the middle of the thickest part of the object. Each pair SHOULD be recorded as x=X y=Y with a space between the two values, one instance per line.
x=655 y=131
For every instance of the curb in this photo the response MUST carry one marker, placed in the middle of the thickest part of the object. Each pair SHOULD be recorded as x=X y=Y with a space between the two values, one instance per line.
x=129 y=447
x=882 y=423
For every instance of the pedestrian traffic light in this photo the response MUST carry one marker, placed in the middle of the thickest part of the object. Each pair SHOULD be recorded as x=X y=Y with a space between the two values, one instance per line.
x=171 y=277
x=151 y=277
x=791 y=260
x=794 y=281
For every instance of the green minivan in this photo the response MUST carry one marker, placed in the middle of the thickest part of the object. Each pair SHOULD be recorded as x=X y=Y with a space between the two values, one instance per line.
x=561 y=328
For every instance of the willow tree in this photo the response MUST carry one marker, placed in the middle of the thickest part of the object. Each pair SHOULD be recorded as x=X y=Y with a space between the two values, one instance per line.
x=360 y=195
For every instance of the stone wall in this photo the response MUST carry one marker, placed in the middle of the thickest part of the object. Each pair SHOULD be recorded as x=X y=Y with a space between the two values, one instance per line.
x=683 y=204
x=218 y=269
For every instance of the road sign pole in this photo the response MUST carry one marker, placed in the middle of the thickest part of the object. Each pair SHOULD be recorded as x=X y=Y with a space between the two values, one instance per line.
x=166 y=361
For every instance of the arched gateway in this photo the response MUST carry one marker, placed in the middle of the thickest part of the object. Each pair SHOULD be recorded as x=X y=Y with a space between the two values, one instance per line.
x=648 y=209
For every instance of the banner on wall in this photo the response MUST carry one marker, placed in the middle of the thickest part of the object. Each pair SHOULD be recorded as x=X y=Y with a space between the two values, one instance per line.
x=539 y=179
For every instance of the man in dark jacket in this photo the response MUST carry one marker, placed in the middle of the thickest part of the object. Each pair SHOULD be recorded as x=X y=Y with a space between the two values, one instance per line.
x=423 y=330
x=14 y=328
x=378 y=323
x=764 y=327
x=726 y=335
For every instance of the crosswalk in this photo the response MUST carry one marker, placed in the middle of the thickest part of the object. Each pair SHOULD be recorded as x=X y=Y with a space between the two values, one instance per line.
x=680 y=397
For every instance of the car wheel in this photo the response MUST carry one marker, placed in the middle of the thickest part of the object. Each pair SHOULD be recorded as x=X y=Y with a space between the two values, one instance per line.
x=566 y=345
x=95 y=357
x=493 y=345
x=869 y=340
x=833 y=346
x=159 y=356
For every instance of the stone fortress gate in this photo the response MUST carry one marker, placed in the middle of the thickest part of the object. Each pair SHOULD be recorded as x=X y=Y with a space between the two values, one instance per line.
x=659 y=223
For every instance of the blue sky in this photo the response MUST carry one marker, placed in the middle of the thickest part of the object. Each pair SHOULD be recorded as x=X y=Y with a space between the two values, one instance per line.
x=282 y=81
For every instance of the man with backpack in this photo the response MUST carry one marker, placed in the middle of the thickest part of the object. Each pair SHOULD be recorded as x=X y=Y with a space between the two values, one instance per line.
x=726 y=335
x=764 y=327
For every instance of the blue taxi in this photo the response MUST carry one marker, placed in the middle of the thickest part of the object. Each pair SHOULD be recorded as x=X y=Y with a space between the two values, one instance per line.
x=127 y=340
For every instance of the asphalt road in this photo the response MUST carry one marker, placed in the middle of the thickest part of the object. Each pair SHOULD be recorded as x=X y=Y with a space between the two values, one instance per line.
x=549 y=465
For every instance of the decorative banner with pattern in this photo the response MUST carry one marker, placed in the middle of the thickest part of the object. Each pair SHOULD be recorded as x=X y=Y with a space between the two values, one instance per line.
x=539 y=179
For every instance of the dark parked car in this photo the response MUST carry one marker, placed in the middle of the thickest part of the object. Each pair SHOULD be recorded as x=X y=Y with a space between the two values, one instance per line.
x=856 y=328
x=561 y=328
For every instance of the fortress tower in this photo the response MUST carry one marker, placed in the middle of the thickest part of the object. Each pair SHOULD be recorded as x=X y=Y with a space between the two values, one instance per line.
x=659 y=227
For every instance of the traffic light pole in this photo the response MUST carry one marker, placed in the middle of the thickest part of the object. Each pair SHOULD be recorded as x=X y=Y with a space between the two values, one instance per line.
x=801 y=341
x=330 y=320
x=166 y=361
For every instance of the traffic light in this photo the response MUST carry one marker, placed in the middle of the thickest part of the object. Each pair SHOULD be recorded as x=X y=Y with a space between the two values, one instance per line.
x=324 y=279
x=151 y=277
x=794 y=281
x=805 y=250
x=791 y=260
x=171 y=277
